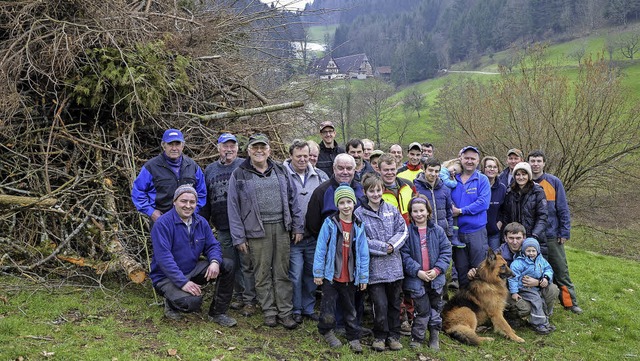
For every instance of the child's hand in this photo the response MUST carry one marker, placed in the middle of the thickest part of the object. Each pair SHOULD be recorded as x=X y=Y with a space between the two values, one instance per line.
x=516 y=297
x=544 y=283
x=389 y=249
x=423 y=276
x=317 y=281
x=432 y=274
x=363 y=286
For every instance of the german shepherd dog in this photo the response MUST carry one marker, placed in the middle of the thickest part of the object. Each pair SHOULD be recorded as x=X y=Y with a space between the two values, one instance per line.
x=484 y=299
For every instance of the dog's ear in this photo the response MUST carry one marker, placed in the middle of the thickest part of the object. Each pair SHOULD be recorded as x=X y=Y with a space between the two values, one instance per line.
x=491 y=256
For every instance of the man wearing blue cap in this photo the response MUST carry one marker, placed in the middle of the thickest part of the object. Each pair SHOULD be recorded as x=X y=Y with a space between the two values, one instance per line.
x=217 y=176
x=152 y=191
x=471 y=198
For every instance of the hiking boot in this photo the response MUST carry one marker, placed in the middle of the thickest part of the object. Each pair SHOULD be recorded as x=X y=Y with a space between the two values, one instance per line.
x=394 y=345
x=551 y=327
x=223 y=320
x=248 y=310
x=378 y=345
x=340 y=331
x=170 y=313
x=355 y=346
x=297 y=317
x=405 y=328
x=270 y=321
x=287 y=322
x=414 y=344
x=332 y=340
x=236 y=305
x=434 y=340
x=312 y=316
x=541 y=330
x=575 y=309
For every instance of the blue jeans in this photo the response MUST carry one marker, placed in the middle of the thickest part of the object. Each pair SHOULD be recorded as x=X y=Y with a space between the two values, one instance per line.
x=470 y=256
x=301 y=275
x=494 y=241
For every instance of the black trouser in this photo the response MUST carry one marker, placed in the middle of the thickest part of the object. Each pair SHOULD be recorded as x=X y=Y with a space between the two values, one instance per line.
x=183 y=301
x=343 y=293
x=386 y=309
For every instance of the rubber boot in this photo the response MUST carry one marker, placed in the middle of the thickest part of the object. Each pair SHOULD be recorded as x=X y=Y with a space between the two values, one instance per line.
x=434 y=339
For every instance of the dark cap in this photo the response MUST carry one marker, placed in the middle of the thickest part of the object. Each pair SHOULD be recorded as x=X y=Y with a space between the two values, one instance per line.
x=325 y=124
x=415 y=145
x=515 y=151
x=172 y=135
x=258 y=138
x=225 y=137
x=469 y=147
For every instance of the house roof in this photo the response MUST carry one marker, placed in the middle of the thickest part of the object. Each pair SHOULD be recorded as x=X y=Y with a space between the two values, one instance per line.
x=320 y=65
x=351 y=62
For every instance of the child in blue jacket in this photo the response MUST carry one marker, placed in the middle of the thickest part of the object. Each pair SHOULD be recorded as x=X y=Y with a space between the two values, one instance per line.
x=530 y=263
x=340 y=265
x=426 y=256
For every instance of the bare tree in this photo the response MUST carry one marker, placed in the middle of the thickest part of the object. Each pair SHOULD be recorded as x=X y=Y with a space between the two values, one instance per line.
x=578 y=52
x=375 y=97
x=584 y=126
x=629 y=44
x=414 y=100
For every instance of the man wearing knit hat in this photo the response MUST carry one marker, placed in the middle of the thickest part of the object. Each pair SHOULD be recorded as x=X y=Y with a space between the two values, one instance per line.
x=180 y=237
x=153 y=189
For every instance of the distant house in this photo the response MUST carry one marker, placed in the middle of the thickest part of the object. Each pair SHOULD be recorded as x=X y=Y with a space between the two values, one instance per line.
x=352 y=67
x=383 y=72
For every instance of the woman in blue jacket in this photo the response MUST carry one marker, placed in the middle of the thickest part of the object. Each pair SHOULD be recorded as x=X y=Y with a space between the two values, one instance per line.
x=426 y=256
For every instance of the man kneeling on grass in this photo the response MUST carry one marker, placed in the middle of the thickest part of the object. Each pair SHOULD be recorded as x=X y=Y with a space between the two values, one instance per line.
x=179 y=238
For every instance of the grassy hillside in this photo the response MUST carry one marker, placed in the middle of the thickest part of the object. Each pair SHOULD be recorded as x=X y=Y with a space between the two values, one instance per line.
x=71 y=320
x=317 y=33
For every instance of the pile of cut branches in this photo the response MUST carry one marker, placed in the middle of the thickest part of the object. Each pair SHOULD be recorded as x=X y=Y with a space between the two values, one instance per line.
x=86 y=89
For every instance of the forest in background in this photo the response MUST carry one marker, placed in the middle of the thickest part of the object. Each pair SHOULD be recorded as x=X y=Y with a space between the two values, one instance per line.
x=419 y=37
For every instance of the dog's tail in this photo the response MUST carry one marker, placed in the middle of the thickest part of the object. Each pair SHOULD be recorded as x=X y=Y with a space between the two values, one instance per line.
x=464 y=334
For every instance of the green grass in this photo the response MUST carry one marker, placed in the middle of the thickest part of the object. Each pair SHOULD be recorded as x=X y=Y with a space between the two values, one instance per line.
x=317 y=33
x=77 y=322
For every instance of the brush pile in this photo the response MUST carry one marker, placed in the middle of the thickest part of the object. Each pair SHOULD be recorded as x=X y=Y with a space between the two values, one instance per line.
x=86 y=89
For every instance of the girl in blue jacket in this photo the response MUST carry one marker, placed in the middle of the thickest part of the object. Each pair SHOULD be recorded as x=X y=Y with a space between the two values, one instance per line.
x=426 y=256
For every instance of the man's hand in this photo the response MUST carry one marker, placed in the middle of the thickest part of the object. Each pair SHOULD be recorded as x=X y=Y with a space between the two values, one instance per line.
x=212 y=271
x=297 y=237
x=155 y=215
x=243 y=247
x=562 y=240
x=456 y=211
x=471 y=274
x=544 y=283
x=530 y=281
x=192 y=288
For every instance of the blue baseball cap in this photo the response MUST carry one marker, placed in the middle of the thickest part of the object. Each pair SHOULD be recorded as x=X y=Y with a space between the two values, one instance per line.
x=225 y=137
x=469 y=147
x=172 y=135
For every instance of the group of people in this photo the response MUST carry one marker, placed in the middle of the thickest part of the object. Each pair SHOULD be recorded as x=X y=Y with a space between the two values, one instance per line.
x=352 y=222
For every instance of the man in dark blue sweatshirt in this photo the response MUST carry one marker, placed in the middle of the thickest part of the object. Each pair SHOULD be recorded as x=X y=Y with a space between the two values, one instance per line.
x=179 y=238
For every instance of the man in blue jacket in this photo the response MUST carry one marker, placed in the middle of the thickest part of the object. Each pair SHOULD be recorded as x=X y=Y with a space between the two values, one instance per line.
x=179 y=238
x=471 y=198
x=153 y=189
